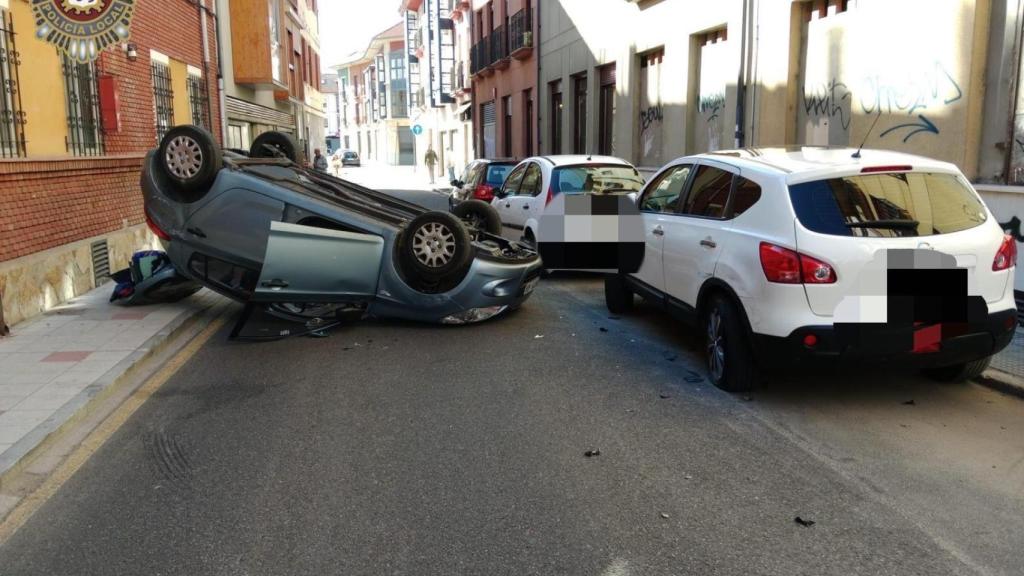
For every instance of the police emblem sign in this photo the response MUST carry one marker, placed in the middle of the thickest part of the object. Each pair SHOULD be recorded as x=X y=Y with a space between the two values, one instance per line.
x=83 y=28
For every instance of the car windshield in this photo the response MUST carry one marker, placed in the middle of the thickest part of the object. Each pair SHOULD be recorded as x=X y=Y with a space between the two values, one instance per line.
x=350 y=155
x=887 y=205
x=496 y=174
x=596 y=179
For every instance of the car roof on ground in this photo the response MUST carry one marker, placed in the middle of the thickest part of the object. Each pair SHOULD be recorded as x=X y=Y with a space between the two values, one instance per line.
x=802 y=159
x=577 y=159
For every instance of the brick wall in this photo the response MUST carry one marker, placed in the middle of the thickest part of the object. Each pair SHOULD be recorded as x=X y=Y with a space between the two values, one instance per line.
x=48 y=203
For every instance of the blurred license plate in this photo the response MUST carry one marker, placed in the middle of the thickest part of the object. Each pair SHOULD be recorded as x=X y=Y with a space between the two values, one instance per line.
x=530 y=285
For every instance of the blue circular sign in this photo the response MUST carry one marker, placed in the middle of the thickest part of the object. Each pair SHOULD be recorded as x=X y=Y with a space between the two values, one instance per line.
x=417 y=129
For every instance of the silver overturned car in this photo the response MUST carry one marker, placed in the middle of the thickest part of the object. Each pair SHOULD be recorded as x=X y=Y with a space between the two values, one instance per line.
x=262 y=229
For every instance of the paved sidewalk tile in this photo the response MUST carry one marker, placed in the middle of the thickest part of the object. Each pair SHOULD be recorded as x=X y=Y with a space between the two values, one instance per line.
x=48 y=364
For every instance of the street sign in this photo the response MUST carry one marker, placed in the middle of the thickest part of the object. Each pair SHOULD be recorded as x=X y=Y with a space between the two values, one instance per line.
x=417 y=129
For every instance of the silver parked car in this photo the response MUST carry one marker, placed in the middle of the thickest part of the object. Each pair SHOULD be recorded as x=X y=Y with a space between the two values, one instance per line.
x=264 y=230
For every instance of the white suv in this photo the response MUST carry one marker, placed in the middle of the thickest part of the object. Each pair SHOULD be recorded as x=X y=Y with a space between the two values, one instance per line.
x=529 y=188
x=812 y=253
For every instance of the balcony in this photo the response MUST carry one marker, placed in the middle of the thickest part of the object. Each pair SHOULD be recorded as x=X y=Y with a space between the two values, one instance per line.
x=499 y=48
x=460 y=81
x=481 y=57
x=521 y=35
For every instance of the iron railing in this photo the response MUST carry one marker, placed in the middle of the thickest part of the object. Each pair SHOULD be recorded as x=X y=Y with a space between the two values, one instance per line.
x=521 y=30
x=499 y=44
x=163 y=98
x=482 y=54
x=82 y=103
x=12 y=118
x=197 y=101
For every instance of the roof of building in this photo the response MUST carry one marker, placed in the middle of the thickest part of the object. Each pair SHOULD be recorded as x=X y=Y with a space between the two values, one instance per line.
x=395 y=32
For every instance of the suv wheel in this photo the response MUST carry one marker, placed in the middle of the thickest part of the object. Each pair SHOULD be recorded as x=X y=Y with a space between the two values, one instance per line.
x=617 y=295
x=479 y=216
x=731 y=364
x=959 y=372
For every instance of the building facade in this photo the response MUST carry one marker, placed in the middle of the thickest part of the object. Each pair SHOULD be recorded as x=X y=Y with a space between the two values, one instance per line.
x=332 y=107
x=504 y=67
x=73 y=138
x=272 y=71
x=375 y=100
x=439 y=37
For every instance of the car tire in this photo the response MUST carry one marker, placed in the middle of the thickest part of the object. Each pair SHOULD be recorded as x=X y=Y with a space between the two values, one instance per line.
x=275 y=145
x=190 y=158
x=617 y=295
x=730 y=360
x=435 y=251
x=479 y=215
x=958 y=373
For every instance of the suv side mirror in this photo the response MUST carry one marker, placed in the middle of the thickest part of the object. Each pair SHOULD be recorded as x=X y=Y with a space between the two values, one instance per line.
x=457 y=183
x=500 y=193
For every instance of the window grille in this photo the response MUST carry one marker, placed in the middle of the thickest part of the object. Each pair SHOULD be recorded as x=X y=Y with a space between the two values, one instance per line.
x=197 y=100
x=163 y=96
x=12 y=119
x=82 y=103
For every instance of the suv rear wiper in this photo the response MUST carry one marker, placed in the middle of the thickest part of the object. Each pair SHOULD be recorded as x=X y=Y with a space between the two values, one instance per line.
x=889 y=224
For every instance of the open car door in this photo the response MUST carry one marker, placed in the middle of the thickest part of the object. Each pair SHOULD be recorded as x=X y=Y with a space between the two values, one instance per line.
x=311 y=264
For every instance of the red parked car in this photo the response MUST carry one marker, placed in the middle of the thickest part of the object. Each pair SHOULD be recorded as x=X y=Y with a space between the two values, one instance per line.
x=482 y=178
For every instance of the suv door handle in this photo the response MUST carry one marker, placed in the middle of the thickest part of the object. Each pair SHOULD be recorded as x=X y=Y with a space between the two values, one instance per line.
x=508 y=204
x=658 y=231
x=275 y=284
x=526 y=206
x=708 y=243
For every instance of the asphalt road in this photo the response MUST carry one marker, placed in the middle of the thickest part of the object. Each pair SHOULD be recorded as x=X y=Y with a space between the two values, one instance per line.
x=393 y=448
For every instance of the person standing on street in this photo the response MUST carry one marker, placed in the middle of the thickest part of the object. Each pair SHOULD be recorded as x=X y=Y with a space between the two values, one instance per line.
x=430 y=159
x=319 y=162
x=451 y=164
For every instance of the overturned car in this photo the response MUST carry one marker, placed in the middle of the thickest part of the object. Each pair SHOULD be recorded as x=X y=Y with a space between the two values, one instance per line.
x=262 y=229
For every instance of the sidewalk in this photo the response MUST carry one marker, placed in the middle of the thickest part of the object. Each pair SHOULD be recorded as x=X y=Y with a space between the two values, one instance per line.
x=1007 y=369
x=53 y=366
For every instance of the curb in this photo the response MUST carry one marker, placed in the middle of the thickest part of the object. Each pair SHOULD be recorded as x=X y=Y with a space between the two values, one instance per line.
x=24 y=452
x=1002 y=382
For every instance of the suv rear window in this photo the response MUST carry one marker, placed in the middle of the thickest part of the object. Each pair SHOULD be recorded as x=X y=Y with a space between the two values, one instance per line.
x=887 y=205
x=496 y=174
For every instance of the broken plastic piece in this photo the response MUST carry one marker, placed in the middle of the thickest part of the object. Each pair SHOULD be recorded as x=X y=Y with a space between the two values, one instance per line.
x=805 y=523
x=592 y=453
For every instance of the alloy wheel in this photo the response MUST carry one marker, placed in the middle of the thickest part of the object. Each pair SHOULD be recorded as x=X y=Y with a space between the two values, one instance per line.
x=184 y=157
x=716 y=345
x=434 y=245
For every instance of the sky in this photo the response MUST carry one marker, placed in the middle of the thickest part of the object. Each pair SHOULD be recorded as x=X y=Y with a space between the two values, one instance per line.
x=347 y=26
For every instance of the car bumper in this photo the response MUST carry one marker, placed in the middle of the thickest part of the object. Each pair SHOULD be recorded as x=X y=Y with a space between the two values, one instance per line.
x=870 y=344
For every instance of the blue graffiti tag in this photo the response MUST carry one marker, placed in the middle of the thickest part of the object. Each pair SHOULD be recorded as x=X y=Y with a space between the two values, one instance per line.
x=918 y=89
x=925 y=125
x=712 y=103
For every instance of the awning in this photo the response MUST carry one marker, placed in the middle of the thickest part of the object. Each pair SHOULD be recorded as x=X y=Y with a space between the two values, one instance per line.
x=462 y=112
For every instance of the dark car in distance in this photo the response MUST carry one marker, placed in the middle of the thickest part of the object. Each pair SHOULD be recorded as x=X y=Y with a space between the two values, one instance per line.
x=482 y=178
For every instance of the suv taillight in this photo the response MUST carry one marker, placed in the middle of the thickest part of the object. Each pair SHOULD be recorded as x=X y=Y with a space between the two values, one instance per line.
x=156 y=229
x=484 y=192
x=785 y=266
x=1006 y=257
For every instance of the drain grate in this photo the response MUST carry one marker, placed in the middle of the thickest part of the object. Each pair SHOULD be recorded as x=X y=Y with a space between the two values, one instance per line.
x=100 y=262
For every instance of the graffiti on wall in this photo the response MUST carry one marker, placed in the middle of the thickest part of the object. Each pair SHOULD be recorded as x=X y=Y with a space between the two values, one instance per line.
x=711 y=106
x=912 y=92
x=650 y=116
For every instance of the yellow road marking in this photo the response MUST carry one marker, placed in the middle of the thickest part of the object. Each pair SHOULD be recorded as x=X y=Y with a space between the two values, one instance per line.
x=102 y=433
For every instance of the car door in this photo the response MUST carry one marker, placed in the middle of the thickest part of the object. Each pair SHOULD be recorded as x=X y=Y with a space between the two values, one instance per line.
x=312 y=264
x=234 y=226
x=692 y=239
x=465 y=191
x=657 y=206
x=527 y=202
x=510 y=189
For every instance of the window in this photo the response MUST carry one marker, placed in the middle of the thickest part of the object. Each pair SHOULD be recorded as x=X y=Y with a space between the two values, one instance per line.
x=528 y=121
x=506 y=104
x=12 y=119
x=197 y=99
x=532 y=181
x=487 y=135
x=496 y=174
x=85 y=137
x=596 y=179
x=817 y=9
x=606 y=111
x=556 y=117
x=579 y=114
x=663 y=195
x=163 y=98
x=275 y=39
x=515 y=180
x=887 y=205
x=709 y=194
x=744 y=195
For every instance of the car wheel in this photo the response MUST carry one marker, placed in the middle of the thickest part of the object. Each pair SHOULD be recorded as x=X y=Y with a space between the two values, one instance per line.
x=435 y=252
x=730 y=362
x=479 y=215
x=190 y=158
x=275 y=145
x=959 y=372
x=617 y=295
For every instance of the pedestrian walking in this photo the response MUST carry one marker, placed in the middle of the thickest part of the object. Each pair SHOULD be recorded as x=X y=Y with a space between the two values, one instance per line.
x=451 y=164
x=430 y=159
x=336 y=162
x=319 y=161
